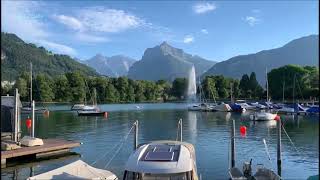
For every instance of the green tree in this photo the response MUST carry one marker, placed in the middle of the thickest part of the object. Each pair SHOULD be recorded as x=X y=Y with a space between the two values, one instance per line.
x=62 y=89
x=122 y=86
x=77 y=86
x=43 y=88
x=179 y=87
x=244 y=85
x=139 y=91
x=112 y=95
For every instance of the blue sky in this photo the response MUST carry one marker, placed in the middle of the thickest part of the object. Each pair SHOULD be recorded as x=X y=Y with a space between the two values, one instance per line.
x=215 y=30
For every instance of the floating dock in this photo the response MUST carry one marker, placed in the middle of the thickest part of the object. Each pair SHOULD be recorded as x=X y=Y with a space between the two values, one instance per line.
x=50 y=147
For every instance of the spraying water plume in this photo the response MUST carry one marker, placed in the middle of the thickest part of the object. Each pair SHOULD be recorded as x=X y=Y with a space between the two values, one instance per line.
x=192 y=87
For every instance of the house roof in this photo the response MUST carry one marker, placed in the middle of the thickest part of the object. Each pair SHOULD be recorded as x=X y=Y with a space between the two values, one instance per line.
x=9 y=101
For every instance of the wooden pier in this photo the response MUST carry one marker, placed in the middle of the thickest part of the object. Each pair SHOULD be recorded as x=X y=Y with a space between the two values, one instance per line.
x=50 y=147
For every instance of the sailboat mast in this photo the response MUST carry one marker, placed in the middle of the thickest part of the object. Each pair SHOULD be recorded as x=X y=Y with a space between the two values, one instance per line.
x=283 y=91
x=231 y=98
x=200 y=90
x=294 y=79
x=30 y=83
x=267 y=85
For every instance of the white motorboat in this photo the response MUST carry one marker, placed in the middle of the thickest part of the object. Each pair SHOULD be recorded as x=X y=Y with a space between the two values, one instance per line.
x=201 y=107
x=222 y=108
x=76 y=170
x=262 y=116
x=247 y=106
x=162 y=160
x=286 y=110
x=77 y=107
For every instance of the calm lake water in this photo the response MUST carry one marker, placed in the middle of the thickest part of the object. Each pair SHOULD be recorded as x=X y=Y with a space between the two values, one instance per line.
x=208 y=131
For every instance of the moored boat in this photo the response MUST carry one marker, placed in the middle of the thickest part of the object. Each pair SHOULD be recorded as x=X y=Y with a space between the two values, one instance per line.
x=262 y=116
x=77 y=107
x=162 y=160
x=76 y=170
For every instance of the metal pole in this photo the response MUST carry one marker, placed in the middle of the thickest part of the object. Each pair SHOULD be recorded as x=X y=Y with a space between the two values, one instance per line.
x=279 y=146
x=180 y=123
x=32 y=109
x=30 y=83
x=15 y=115
x=233 y=144
x=136 y=131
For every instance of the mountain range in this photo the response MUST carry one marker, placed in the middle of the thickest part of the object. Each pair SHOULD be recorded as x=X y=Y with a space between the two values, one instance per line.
x=160 y=62
x=114 y=66
x=167 y=63
x=302 y=51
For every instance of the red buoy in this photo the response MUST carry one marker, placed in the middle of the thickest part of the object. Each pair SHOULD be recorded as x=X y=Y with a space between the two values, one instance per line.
x=277 y=118
x=28 y=123
x=243 y=129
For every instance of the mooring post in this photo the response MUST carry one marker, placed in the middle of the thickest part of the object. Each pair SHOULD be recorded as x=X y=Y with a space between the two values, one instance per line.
x=180 y=124
x=32 y=111
x=16 y=116
x=279 y=146
x=233 y=144
x=136 y=131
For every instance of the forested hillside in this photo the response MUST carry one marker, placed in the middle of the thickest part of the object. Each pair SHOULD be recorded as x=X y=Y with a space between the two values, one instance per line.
x=16 y=56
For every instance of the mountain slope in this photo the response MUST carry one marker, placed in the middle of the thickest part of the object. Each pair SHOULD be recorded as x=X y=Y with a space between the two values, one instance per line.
x=114 y=66
x=166 y=62
x=18 y=55
x=302 y=51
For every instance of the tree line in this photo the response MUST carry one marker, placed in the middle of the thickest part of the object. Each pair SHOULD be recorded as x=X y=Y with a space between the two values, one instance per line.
x=76 y=87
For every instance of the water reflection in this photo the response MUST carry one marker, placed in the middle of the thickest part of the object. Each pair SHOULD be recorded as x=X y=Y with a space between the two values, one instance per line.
x=208 y=131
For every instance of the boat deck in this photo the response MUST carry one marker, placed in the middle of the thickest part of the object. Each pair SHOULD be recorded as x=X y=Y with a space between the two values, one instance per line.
x=49 y=148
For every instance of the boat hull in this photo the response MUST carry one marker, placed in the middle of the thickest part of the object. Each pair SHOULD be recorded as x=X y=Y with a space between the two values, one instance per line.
x=86 y=113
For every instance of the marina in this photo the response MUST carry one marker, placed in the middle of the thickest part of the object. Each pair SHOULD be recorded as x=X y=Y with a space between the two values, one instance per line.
x=209 y=132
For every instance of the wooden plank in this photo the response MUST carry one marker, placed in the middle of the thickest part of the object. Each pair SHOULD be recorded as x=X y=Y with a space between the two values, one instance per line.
x=52 y=153
x=48 y=145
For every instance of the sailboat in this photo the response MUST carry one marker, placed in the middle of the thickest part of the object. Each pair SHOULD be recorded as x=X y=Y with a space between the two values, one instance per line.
x=202 y=106
x=28 y=109
x=92 y=110
x=263 y=115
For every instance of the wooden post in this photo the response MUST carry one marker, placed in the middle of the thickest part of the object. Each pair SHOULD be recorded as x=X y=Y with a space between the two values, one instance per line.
x=180 y=124
x=33 y=121
x=136 y=131
x=279 y=146
x=15 y=138
x=233 y=144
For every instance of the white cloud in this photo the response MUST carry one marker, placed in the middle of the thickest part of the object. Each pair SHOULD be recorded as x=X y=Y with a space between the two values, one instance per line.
x=70 y=22
x=108 y=20
x=21 y=18
x=90 y=38
x=58 y=48
x=203 y=7
x=18 y=17
x=251 y=20
x=204 y=31
x=188 y=39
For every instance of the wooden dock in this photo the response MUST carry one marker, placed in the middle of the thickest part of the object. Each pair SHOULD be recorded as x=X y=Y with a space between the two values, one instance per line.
x=49 y=148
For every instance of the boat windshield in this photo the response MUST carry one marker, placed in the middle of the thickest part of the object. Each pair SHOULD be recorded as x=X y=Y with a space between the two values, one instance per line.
x=147 y=176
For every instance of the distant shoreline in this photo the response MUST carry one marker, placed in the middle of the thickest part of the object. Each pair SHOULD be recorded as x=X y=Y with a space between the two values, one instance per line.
x=173 y=101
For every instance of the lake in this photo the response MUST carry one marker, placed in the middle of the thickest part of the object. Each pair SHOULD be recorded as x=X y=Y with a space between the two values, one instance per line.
x=209 y=132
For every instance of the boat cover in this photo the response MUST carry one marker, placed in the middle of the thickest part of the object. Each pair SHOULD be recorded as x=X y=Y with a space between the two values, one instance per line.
x=76 y=170
x=314 y=109
x=236 y=107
